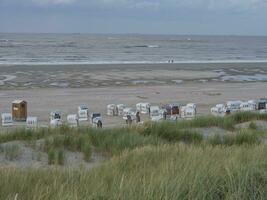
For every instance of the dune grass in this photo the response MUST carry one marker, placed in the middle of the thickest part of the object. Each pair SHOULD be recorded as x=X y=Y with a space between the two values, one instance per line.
x=241 y=137
x=51 y=156
x=56 y=156
x=182 y=130
x=11 y=151
x=227 y=122
x=152 y=172
x=106 y=141
x=24 y=134
x=114 y=141
x=168 y=160
x=61 y=157
x=252 y=126
x=171 y=132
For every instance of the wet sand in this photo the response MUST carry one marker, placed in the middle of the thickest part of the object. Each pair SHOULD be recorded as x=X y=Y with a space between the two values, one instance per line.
x=91 y=76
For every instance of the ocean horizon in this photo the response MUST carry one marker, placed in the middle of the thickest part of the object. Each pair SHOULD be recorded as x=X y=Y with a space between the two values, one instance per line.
x=75 y=49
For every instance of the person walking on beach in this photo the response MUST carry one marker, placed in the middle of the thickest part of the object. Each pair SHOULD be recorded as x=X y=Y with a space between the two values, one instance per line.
x=164 y=115
x=138 y=118
x=99 y=124
x=116 y=111
x=129 y=121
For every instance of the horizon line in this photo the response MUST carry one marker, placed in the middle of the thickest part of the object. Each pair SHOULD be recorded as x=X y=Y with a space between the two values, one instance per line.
x=159 y=34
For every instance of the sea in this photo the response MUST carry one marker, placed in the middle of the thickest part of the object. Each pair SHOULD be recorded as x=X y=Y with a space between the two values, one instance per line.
x=61 y=49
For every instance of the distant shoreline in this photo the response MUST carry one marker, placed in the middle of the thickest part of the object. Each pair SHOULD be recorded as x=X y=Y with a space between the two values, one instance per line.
x=121 y=75
x=134 y=34
x=135 y=63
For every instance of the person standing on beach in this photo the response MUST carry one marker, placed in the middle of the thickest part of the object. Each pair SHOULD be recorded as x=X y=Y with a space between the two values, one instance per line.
x=129 y=121
x=164 y=115
x=99 y=124
x=138 y=118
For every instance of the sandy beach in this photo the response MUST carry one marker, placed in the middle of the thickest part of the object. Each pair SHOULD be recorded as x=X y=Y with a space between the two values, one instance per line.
x=64 y=88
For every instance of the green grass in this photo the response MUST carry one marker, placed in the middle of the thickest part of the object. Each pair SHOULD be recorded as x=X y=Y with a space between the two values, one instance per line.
x=168 y=160
x=51 y=156
x=56 y=156
x=108 y=141
x=162 y=172
x=167 y=130
x=87 y=151
x=11 y=151
x=60 y=157
x=24 y=134
x=114 y=141
x=171 y=132
x=227 y=122
x=253 y=126
x=242 y=137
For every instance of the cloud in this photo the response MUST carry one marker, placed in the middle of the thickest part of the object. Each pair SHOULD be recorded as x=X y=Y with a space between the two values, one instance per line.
x=187 y=3
x=146 y=5
x=47 y=2
x=238 y=5
x=135 y=16
x=37 y=2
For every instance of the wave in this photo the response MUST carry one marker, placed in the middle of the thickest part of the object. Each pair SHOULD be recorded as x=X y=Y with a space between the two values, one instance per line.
x=66 y=44
x=153 y=46
x=36 y=63
x=10 y=44
x=141 y=46
x=113 y=38
x=4 y=40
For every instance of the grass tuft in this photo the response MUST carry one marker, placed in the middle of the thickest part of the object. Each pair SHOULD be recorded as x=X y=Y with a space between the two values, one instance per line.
x=60 y=157
x=51 y=156
x=11 y=151
x=252 y=126
x=151 y=172
x=87 y=152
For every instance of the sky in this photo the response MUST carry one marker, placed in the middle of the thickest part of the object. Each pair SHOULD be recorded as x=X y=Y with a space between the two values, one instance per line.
x=204 y=17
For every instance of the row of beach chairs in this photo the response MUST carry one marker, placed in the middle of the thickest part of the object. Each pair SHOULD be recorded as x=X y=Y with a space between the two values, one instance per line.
x=130 y=114
x=155 y=112
x=55 y=118
x=235 y=106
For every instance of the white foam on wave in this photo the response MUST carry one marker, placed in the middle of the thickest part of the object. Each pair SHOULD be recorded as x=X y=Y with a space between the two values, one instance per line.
x=178 y=81
x=136 y=82
x=7 y=78
x=10 y=63
x=4 y=40
x=245 y=78
x=59 y=84
x=153 y=46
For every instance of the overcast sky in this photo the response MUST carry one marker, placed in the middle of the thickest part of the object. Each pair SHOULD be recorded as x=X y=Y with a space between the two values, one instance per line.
x=231 y=17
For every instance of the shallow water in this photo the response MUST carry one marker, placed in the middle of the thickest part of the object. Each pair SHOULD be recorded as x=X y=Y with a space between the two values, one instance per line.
x=35 y=49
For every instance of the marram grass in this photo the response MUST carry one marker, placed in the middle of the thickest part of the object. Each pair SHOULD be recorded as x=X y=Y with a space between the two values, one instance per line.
x=158 y=161
x=151 y=172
